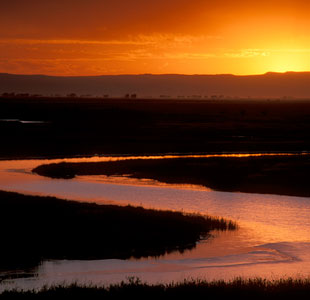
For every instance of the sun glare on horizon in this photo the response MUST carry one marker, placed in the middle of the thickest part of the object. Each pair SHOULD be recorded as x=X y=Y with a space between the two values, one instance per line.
x=289 y=62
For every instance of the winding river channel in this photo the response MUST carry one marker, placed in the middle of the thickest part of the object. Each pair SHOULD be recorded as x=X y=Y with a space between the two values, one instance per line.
x=273 y=240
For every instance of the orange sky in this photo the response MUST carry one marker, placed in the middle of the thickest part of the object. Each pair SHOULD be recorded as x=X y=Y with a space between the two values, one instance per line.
x=93 y=37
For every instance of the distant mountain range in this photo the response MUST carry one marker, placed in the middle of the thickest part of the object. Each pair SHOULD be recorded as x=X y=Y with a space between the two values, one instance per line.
x=290 y=84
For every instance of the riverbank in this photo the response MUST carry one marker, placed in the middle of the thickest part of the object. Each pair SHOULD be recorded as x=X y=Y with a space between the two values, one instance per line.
x=134 y=288
x=283 y=174
x=37 y=228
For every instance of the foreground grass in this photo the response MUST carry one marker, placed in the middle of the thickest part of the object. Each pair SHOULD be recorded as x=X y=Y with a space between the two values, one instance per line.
x=36 y=228
x=135 y=289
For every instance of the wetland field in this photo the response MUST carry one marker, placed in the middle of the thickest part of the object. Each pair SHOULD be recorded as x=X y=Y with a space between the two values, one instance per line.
x=212 y=195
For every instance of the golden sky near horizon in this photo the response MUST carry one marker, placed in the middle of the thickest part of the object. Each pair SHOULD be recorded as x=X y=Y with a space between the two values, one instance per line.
x=94 y=37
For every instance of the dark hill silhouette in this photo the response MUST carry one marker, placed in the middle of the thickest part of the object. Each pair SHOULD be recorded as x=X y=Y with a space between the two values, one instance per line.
x=288 y=84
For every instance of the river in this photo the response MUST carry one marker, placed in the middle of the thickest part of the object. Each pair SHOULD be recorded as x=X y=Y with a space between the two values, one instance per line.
x=273 y=240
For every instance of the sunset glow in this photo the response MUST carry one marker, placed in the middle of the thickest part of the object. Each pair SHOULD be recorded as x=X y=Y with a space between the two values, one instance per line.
x=132 y=37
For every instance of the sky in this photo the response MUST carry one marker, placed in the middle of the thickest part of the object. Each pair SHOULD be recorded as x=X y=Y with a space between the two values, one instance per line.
x=98 y=37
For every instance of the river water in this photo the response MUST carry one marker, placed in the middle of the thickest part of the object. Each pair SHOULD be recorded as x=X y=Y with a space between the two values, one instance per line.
x=273 y=240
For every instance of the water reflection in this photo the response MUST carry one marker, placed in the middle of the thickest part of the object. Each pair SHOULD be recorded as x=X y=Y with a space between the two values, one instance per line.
x=286 y=217
x=22 y=121
x=273 y=239
x=271 y=261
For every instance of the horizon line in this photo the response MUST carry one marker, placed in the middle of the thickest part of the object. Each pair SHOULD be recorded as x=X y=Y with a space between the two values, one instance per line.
x=161 y=74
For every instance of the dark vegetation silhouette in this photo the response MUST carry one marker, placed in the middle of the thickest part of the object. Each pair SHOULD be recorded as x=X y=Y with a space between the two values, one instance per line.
x=190 y=289
x=284 y=175
x=74 y=126
x=36 y=228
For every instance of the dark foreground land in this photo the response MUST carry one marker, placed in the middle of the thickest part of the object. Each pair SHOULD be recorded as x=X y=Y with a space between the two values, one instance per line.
x=284 y=175
x=134 y=289
x=75 y=126
x=35 y=228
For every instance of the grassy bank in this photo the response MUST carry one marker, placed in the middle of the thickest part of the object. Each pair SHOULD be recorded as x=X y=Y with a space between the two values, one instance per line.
x=236 y=289
x=35 y=228
x=284 y=175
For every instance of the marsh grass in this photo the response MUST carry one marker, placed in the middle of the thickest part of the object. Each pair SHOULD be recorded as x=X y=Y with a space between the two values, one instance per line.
x=134 y=288
x=36 y=228
x=283 y=175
